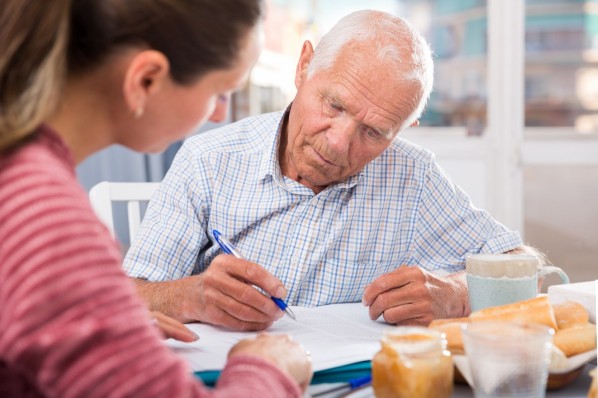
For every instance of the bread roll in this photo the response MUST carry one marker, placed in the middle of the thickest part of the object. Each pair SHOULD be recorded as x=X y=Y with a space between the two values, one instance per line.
x=536 y=310
x=574 y=334
x=452 y=328
x=570 y=313
x=576 y=339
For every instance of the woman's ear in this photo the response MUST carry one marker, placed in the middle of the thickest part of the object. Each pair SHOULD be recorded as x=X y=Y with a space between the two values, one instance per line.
x=145 y=76
x=307 y=53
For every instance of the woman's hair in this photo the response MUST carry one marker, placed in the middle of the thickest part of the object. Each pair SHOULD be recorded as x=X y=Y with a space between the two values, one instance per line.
x=44 y=41
x=396 y=42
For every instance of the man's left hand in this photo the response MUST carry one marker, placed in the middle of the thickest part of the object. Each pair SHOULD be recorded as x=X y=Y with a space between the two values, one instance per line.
x=412 y=296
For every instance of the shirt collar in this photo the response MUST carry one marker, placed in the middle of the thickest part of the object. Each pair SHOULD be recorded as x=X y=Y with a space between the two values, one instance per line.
x=269 y=165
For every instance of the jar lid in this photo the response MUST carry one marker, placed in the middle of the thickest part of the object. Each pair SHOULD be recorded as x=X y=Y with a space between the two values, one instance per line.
x=414 y=339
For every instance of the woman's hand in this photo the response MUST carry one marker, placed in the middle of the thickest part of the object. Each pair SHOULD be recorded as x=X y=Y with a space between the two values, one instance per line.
x=171 y=328
x=281 y=350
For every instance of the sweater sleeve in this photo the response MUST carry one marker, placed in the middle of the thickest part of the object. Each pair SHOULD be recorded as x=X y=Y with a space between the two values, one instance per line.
x=71 y=324
x=246 y=376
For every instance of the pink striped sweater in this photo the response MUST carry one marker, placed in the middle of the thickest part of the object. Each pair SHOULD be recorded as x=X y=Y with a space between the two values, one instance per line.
x=70 y=322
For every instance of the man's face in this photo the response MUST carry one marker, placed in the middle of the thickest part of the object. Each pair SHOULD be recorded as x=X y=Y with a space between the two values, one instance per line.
x=342 y=118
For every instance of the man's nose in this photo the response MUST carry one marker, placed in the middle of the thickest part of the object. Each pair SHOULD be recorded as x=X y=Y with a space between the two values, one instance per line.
x=341 y=134
x=221 y=109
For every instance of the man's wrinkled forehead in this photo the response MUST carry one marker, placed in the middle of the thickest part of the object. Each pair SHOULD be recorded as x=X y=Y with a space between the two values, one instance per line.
x=375 y=88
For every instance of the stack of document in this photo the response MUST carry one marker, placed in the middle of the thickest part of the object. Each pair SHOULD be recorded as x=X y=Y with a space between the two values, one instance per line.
x=341 y=338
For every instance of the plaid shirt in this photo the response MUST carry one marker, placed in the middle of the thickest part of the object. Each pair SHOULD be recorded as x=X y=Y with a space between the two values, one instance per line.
x=401 y=209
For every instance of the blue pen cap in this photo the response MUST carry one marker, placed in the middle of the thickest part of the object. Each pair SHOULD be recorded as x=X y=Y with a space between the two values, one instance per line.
x=224 y=244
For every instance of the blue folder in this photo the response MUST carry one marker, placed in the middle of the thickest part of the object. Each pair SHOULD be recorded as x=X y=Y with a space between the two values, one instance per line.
x=339 y=374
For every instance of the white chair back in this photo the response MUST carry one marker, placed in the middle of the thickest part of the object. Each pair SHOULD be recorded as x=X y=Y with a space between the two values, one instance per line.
x=103 y=194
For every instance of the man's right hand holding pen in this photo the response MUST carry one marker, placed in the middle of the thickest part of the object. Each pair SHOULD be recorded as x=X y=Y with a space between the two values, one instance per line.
x=228 y=248
x=223 y=295
x=227 y=296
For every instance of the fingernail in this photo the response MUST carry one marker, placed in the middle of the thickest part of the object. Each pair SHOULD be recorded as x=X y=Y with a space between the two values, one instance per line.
x=196 y=337
x=364 y=302
x=279 y=315
x=280 y=292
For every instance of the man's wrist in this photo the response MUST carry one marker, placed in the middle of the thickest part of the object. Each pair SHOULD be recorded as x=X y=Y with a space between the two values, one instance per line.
x=531 y=251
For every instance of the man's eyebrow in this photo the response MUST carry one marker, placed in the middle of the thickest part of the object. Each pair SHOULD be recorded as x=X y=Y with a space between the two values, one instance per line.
x=383 y=132
x=387 y=133
x=334 y=98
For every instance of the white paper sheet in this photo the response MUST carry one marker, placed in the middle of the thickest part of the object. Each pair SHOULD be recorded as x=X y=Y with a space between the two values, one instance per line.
x=335 y=335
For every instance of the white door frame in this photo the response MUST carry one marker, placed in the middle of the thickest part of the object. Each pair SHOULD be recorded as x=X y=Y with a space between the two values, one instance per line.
x=499 y=156
x=506 y=104
x=496 y=156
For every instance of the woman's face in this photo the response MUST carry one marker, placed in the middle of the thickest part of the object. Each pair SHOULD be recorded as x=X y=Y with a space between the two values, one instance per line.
x=181 y=109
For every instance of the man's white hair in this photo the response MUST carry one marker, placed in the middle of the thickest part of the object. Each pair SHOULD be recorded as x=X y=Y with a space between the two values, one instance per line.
x=397 y=43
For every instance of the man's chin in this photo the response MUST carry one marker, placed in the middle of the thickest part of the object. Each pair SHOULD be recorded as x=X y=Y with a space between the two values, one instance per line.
x=316 y=178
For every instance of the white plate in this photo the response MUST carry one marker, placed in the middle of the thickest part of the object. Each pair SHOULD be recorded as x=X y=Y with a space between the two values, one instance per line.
x=573 y=363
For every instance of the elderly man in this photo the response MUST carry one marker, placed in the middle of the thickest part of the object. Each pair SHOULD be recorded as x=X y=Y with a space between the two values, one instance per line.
x=323 y=200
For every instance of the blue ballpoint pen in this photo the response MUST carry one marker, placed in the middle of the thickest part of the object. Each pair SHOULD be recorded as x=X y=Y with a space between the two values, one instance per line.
x=228 y=248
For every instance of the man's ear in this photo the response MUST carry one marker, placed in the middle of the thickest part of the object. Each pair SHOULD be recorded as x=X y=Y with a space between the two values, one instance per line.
x=307 y=53
x=145 y=75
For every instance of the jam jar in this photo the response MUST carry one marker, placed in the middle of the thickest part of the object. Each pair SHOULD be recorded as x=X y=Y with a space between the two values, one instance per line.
x=412 y=363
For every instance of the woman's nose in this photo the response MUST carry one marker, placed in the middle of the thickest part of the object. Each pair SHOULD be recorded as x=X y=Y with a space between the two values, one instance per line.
x=221 y=109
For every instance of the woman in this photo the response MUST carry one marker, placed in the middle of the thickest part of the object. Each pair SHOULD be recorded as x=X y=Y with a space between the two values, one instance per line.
x=77 y=76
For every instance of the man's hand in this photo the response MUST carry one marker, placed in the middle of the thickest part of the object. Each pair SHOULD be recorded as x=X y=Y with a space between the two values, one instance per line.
x=412 y=296
x=222 y=295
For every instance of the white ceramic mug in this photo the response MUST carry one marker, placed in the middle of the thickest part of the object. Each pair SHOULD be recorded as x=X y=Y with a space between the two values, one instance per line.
x=497 y=279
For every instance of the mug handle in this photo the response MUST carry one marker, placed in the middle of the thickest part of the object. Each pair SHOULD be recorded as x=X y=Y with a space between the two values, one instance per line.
x=550 y=269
